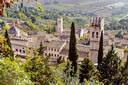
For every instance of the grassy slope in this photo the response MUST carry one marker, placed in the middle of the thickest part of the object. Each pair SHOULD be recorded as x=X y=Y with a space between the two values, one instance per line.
x=83 y=5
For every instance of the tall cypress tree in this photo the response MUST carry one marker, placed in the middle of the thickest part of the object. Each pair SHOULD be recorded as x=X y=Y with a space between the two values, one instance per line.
x=11 y=53
x=72 y=56
x=100 y=51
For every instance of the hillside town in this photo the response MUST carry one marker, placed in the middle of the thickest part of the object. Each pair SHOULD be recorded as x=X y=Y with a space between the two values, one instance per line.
x=57 y=44
x=63 y=42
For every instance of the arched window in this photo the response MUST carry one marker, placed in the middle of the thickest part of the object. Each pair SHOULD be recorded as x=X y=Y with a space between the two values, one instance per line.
x=97 y=34
x=93 y=34
x=52 y=49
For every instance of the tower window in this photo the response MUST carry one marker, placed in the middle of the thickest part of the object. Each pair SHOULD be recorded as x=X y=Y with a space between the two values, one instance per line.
x=20 y=50
x=16 y=50
x=23 y=51
x=96 y=34
x=93 y=34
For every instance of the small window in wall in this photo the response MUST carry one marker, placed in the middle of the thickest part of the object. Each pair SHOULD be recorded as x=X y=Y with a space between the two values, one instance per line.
x=51 y=49
x=45 y=54
x=20 y=50
x=93 y=34
x=96 y=34
x=55 y=55
x=16 y=50
x=23 y=51
x=29 y=48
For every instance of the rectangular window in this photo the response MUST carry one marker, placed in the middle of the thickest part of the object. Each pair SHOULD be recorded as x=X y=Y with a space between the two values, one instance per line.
x=93 y=34
x=20 y=50
x=96 y=34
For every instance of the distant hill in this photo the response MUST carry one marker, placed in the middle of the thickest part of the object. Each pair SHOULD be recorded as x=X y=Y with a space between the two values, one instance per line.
x=79 y=1
x=98 y=7
x=62 y=1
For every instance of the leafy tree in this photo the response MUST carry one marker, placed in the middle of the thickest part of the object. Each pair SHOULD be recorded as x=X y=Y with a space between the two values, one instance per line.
x=125 y=73
x=5 y=50
x=39 y=8
x=110 y=68
x=5 y=12
x=11 y=53
x=3 y=4
x=72 y=56
x=119 y=34
x=21 y=15
x=3 y=47
x=60 y=60
x=38 y=70
x=86 y=71
x=33 y=19
x=11 y=73
x=5 y=27
x=100 y=51
x=60 y=78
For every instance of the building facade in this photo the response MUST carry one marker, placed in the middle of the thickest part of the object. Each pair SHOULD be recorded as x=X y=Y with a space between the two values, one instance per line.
x=56 y=47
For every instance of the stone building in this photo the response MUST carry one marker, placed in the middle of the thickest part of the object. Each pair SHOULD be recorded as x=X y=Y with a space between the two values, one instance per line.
x=64 y=34
x=58 y=46
x=95 y=28
x=59 y=25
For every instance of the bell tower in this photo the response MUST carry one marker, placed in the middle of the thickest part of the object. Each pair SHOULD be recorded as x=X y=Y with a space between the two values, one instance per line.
x=59 y=25
x=96 y=26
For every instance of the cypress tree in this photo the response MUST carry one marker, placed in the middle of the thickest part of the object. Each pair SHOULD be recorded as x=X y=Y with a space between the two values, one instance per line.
x=11 y=53
x=100 y=51
x=72 y=56
x=41 y=49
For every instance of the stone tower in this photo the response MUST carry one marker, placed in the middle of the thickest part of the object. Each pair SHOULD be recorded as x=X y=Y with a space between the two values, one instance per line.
x=96 y=26
x=59 y=25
